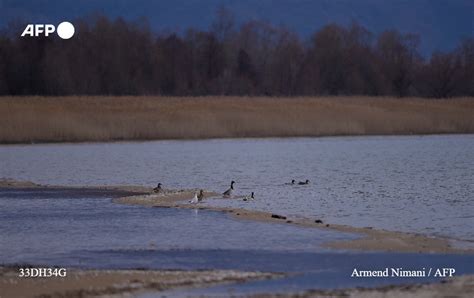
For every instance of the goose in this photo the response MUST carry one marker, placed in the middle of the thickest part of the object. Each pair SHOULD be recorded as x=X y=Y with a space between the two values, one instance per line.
x=194 y=200
x=229 y=192
x=303 y=183
x=200 y=195
x=157 y=188
x=248 y=198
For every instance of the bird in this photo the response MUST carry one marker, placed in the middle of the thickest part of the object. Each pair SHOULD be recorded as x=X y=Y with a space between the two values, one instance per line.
x=303 y=183
x=291 y=183
x=228 y=193
x=195 y=199
x=248 y=198
x=157 y=188
x=201 y=195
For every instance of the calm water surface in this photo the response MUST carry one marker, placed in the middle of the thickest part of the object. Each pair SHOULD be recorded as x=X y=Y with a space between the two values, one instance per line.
x=77 y=228
x=422 y=184
x=71 y=228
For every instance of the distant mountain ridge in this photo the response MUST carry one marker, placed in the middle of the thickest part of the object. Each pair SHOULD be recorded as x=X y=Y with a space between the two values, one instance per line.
x=440 y=23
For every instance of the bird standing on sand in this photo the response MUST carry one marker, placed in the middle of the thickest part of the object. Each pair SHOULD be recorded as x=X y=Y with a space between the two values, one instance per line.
x=248 y=198
x=303 y=183
x=228 y=193
x=200 y=195
x=157 y=188
x=194 y=200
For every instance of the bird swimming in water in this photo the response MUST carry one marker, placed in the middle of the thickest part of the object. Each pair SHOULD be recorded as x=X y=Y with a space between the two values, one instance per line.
x=248 y=198
x=158 y=188
x=194 y=200
x=303 y=183
x=291 y=183
x=228 y=193
x=200 y=195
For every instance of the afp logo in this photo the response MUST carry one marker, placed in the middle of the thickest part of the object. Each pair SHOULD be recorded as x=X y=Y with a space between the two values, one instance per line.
x=65 y=30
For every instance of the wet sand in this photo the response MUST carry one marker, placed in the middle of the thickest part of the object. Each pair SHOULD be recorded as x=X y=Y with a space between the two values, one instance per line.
x=86 y=283
x=16 y=184
x=372 y=239
x=81 y=283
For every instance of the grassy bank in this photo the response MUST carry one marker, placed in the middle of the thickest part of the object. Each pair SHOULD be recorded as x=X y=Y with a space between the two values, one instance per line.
x=75 y=119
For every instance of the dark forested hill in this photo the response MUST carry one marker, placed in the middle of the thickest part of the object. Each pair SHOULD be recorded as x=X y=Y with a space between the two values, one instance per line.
x=441 y=23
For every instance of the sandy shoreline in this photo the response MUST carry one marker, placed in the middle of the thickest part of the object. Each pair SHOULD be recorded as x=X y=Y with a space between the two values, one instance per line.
x=123 y=283
x=132 y=189
x=372 y=239
x=87 y=283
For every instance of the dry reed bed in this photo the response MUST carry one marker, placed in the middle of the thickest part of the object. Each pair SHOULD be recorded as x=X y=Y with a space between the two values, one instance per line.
x=104 y=118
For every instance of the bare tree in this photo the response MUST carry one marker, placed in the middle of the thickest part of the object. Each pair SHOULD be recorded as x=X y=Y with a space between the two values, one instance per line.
x=115 y=56
x=398 y=57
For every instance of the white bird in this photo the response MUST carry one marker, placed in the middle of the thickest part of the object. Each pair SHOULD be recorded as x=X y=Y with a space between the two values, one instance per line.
x=195 y=200
x=228 y=193
x=248 y=198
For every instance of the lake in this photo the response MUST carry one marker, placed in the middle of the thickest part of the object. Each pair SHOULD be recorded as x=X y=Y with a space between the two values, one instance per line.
x=421 y=184
x=74 y=228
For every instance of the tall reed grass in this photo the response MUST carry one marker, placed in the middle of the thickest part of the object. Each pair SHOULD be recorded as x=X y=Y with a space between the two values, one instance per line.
x=103 y=118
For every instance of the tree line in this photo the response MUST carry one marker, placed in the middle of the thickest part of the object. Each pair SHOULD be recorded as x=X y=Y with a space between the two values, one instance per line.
x=117 y=57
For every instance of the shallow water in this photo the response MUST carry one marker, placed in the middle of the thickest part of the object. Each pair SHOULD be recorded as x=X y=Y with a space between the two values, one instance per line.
x=84 y=229
x=422 y=184
x=328 y=271
x=75 y=228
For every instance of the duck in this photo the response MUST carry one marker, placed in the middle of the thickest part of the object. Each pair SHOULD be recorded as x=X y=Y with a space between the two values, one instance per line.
x=303 y=183
x=248 y=198
x=195 y=199
x=158 y=188
x=228 y=193
x=291 y=183
x=200 y=195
